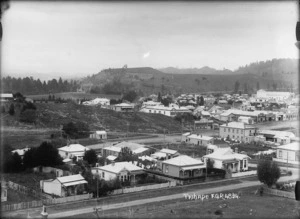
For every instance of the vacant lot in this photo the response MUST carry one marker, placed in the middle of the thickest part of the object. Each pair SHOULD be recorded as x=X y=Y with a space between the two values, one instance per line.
x=248 y=205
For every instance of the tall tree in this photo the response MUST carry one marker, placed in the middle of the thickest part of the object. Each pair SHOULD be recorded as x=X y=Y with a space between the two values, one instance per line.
x=236 y=87
x=90 y=156
x=268 y=172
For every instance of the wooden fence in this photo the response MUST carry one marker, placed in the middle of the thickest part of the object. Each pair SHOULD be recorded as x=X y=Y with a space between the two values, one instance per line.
x=277 y=192
x=26 y=190
x=246 y=173
x=143 y=188
x=34 y=204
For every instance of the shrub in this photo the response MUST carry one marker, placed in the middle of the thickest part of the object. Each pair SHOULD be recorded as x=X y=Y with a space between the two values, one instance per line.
x=268 y=172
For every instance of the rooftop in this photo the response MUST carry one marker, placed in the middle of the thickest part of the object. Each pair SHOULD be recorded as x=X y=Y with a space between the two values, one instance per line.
x=73 y=148
x=119 y=166
x=183 y=160
x=240 y=125
x=168 y=151
x=292 y=146
x=200 y=137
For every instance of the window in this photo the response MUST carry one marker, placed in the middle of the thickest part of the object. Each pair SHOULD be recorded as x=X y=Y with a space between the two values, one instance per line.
x=185 y=173
x=237 y=131
x=228 y=130
x=149 y=111
x=102 y=174
x=280 y=154
x=232 y=130
x=297 y=157
x=158 y=111
x=245 y=163
x=167 y=168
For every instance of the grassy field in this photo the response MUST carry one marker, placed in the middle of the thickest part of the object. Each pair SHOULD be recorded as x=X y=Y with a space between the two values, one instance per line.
x=249 y=205
x=14 y=197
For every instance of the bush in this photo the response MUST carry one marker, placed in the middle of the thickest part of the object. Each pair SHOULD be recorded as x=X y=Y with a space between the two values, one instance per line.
x=268 y=172
x=28 y=116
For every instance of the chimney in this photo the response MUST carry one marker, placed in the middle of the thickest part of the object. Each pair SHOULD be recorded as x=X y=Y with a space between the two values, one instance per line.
x=113 y=163
x=236 y=150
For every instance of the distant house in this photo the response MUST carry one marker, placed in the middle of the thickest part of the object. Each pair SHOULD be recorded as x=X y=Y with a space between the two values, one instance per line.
x=123 y=107
x=183 y=166
x=245 y=119
x=172 y=110
x=99 y=135
x=281 y=137
x=199 y=139
x=116 y=148
x=3 y=191
x=98 y=101
x=225 y=158
x=288 y=153
x=64 y=186
x=6 y=97
x=20 y=152
x=275 y=95
x=216 y=110
x=203 y=124
x=124 y=171
x=72 y=150
x=238 y=131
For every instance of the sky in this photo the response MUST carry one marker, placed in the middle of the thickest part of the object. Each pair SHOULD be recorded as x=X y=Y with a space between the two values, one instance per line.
x=76 y=38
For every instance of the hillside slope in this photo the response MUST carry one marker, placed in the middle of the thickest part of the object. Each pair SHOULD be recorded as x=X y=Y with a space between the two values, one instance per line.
x=54 y=115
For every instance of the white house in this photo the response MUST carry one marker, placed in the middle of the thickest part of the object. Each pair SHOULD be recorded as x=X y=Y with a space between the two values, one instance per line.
x=199 y=139
x=64 y=186
x=116 y=148
x=225 y=158
x=246 y=119
x=167 y=111
x=72 y=150
x=98 y=101
x=238 y=131
x=281 y=137
x=123 y=107
x=183 y=166
x=124 y=171
x=277 y=95
x=99 y=135
x=288 y=153
x=3 y=191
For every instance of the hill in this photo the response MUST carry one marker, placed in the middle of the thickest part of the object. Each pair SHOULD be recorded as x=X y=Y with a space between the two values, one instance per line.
x=55 y=115
x=280 y=74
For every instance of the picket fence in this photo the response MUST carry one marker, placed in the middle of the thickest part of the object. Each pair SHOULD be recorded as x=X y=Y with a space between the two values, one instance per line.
x=34 y=204
x=277 y=192
x=142 y=188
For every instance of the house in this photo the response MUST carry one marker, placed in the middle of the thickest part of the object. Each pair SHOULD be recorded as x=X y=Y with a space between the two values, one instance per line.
x=20 y=152
x=183 y=166
x=123 y=107
x=199 y=139
x=169 y=153
x=172 y=110
x=124 y=171
x=151 y=103
x=281 y=137
x=275 y=95
x=3 y=191
x=225 y=158
x=203 y=124
x=238 y=131
x=72 y=150
x=98 y=101
x=288 y=153
x=116 y=148
x=216 y=110
x=6 y=97
x=99 y=135
x=64 y=186
x=246 y=119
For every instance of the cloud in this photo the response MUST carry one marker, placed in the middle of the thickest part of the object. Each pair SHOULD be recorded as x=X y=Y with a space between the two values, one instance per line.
x=146 y=55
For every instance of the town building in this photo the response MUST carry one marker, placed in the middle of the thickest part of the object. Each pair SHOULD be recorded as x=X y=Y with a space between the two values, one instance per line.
x=199 y=139
x=225 y=158
x=64 y=186
x=288 y=153
x=6 y=97
x=203 y=124
x=123 y=107
x=238 y=131
x=99 y=135
x=281 y=137
x=115 y=149
x=276 y=95
x=183 y=166
x=97 y=101
x=72 y=150
x=171 y=111
x=124 y=171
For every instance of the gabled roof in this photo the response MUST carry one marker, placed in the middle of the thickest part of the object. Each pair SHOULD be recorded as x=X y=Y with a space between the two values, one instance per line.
x=113 y=148
x=100 y=132
x=119 y=166
x=140 y=150
x=124 y=105
x=168 y=151
x=6 y=96
x=20 y=152
x=276 y=133
x=71 y=180
x=225 y=154
x=74 y=148
x=183 y=160
x=240 y=125
x=294 y=146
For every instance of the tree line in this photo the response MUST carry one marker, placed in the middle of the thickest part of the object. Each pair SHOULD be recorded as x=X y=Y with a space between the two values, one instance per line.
x=30 y=86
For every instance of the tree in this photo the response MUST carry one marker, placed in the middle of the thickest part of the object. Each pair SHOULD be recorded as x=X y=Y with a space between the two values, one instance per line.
x=268 y=172
x=11 y=110
x=47 y=155
x=90 y=156
x=257 y=86
x=126 y=155
x=159 y=97
x=130 y=96
x=201 y=101
x=29 y=159
x=28 y=116
x=210 y=163
x=236 y=87
x=76 y=130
